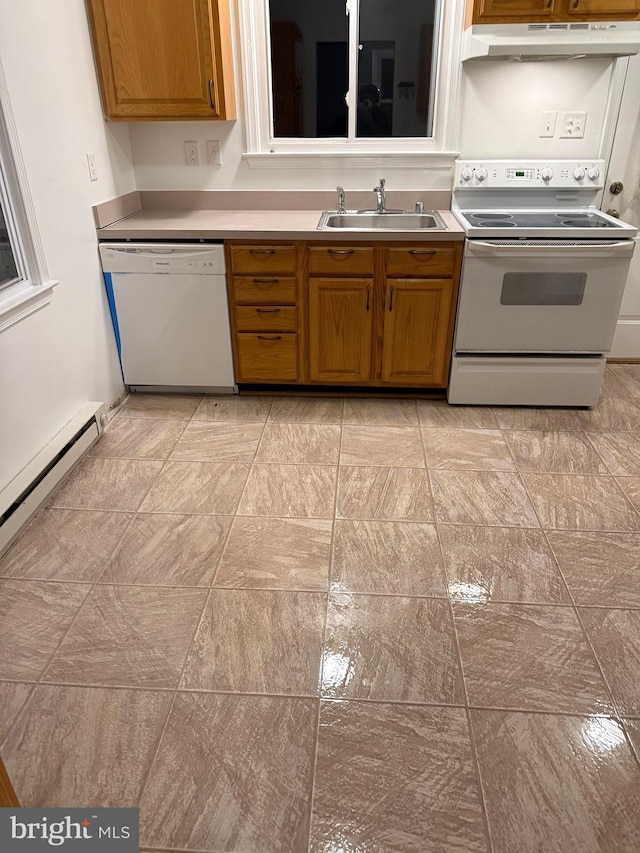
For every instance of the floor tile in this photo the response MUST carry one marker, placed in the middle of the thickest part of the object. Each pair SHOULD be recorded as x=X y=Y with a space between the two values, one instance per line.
x=382 y=445
x=300 y=443
x=629 y=376
x=35 y=617
x=65 y=544
x=389 y=557
x=178 y=407
x=395 y=778
x=612 y=414
x=438 y=413
x=13 y=695
x=370 y=412
x=127 y=635
x=620 y=450
x=98 y=745
x=201 y=487
x=138 y=438
x=500 y=564
x=169 y=550
x=286 y=491
x=293 y=410
x=277 y=553
x=257 y=641
x=399 y=494
x=471 y=449
x=615 y=635
x=577 y=502
x=112 y=484
x=242 y=409
x=246 y=763
x=563 y=452
x=481 y=497
x=631 y=487
x=542 y=657
x=218 y=442
x=557 y=784
x=394 y=649
x=599 y=568
x=612 y=386
x=538 y=419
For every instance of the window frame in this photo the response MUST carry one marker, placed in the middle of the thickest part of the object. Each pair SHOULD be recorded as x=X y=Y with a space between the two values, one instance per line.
x=265 y=151
x=34 y=288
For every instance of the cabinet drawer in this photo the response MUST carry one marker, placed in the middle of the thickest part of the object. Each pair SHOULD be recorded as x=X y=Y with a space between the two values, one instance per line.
x=261 y=259
x=267 y=358
x=420 y=260
x=267 y=289
x=266 y=318
x=340 y=260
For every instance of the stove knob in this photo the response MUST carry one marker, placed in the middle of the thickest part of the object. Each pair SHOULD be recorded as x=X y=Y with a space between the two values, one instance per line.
x=546 y=175
x=466 y=175
x=482 y=174
x=579 y=173
x=593 y=174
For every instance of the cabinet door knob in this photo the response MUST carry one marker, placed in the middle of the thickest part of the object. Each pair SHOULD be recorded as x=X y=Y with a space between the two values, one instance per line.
x=212 y=101
x=391 y=299
x=368 y=295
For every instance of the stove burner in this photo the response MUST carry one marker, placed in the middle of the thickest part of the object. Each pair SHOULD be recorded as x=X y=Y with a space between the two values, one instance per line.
x=497 y=223
x=488 y=215
x=576 y=215
x=581 y=223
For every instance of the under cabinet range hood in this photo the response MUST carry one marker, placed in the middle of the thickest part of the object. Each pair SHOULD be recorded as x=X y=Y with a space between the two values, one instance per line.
x=530 y=42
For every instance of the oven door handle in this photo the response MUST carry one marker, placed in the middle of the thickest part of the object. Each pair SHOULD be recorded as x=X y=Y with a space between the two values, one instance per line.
x=622 y=248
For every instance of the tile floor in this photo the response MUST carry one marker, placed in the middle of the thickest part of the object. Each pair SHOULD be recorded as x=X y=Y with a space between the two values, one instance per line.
x=288 y=625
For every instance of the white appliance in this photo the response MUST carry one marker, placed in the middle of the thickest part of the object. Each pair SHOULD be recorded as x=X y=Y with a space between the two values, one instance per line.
x=542 y=280
x=170 y=314
x=578 y=40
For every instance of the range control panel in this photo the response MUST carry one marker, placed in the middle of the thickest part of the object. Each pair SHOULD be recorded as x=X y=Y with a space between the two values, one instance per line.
x=559 y=174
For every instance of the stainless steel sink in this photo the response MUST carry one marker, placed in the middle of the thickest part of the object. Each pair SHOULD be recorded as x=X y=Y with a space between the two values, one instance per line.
x=366 y=221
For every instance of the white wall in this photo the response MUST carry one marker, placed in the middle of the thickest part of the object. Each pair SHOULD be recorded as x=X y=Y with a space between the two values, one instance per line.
x=55 y=360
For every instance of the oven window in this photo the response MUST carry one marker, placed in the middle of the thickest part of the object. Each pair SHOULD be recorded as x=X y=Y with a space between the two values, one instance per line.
x=543 y=288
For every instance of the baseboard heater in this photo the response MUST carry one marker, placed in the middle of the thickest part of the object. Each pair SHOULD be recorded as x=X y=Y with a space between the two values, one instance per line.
x=30 y=489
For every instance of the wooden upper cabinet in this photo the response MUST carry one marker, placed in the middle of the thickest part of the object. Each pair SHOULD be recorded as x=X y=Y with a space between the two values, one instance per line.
x=487 y=11
x=417 y=326
x=604 y=8
x=163 y=59
x=547 y=11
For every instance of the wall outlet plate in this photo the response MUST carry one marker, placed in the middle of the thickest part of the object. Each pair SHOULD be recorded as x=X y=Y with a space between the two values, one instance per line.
x=214 y=152
x=192 y=153
x=548 y=123
x=572 y=125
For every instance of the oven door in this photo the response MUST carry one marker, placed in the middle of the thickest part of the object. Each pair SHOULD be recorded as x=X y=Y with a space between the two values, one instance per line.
x=541 y=296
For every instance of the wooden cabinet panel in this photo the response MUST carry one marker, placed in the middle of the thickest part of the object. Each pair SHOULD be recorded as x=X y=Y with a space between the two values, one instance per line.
x=268 y=289
x=163 y=59
x=266 y=358
x=548 y=11
x=420 y=261
x=415 y=349
x=521 y=10
x=603 y=7
x=263 y=259
x=340 y=330
x=266 y=318
x=340 y=260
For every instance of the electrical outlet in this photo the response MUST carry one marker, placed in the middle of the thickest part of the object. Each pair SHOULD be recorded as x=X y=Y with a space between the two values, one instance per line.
x=214 y=152
x=548 y=123
x=192 y=153
x=93 y=169
x=572 y=125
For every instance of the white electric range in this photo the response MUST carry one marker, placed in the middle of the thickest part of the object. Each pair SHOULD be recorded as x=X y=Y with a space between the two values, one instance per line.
x=543 y=276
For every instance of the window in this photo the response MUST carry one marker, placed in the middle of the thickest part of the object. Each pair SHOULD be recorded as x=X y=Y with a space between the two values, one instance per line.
x=350 y=75
x=24 y=283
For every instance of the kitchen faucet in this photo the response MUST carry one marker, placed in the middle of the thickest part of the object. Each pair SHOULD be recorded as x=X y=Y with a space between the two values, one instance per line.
x=379 y=190
x=341 y=207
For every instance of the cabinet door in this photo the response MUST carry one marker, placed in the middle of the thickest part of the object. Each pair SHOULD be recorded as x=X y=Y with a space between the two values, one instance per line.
x=157 y=58
x=340 y=329
x=415 y=348
x=611 y=8
x=486 y=11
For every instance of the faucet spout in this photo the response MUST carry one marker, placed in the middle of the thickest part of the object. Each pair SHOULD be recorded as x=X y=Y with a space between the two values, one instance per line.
x=341 y=207
x=381 y=196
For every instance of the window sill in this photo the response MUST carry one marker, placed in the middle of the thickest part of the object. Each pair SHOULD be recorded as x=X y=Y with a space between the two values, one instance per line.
x=441 y=160
x=22 y=300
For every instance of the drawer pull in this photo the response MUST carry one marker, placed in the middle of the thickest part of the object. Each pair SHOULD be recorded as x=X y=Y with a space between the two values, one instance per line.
x=368 y=295
x=422 y=251
x=341 y=251
x=262 y=251
x=266 y=280
x=267 y=310
x=391 y=299
x=269 y=337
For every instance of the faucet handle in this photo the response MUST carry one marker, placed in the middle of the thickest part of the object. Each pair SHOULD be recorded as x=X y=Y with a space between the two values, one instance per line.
x=420 y=207
x=380 y=186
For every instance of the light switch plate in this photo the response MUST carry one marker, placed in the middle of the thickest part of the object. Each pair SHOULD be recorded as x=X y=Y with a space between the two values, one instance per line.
x=93 y=168
x=214 y=152
x=548 y=123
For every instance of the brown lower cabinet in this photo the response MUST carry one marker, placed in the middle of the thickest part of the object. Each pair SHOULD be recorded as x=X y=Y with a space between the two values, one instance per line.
x=362 y=314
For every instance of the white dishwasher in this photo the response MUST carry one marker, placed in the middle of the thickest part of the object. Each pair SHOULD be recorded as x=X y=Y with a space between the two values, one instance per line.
x=170 y=315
